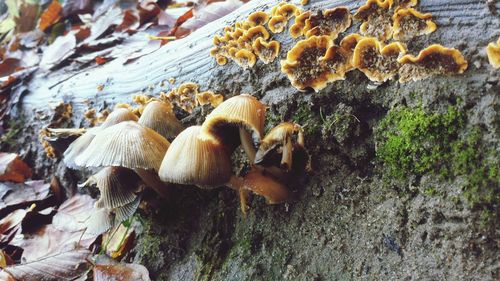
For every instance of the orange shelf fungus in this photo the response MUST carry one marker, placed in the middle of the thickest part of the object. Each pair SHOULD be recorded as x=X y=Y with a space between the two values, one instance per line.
x=209 y=97
x=288 y=11
x=376 y=17
x=328 y=22
x=348 y=44
x=245 y=58
x=493 y=52
x=378 y=63
x=304 y=2
x=184 y=96
x=258 y=18
x=309 y=65
x=256 y=32
x=220 y=59
x=296 y=30
x=431 y=61
x=277 y=24
x=266 y=51
x=410 y=23
x=407 y=3
x=274 y=9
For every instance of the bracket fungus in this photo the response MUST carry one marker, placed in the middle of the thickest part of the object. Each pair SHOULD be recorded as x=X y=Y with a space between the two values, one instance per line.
x=209 y=97
x=159 y=116
x=329 y=22
x=348 y=44
x=232 y=121
x=313 y=63
x=297 y=28
x=277 y=24
x=431 y=61
x=287 y=10
x=406 y=3
x=184 y=96
x=379 y=63
x=80 y=144
x=410 y=23
x=266 y=51
x=493 y=52
x=377 y=20
x=196 y=158
x=281 y=137
x=258 y=18
x=245 y=58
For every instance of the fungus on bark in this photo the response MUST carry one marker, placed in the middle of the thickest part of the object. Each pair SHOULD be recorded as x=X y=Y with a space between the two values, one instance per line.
x=184 y=96
x=410 y=23
x=297 y=28
x=159 y=116
x=407 y=3
x=245 y=58
x=209 y=97
x=379 y=63
x=287 y=11
x=266 y=51
x=348 y=44
x=195 y=158
x=376 y=17
x=493 y=52
x=277 y=24
x=329 y=22
x=258 y=18
x=232 y=121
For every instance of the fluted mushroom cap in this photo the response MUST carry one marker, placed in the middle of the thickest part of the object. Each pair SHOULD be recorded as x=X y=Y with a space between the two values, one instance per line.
x=239 y=111
x=80 y=144
x=159 y=116
x=194 y=158
x=127 y=144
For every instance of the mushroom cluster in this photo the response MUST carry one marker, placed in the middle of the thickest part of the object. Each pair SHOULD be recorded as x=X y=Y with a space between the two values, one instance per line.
x=187 y=96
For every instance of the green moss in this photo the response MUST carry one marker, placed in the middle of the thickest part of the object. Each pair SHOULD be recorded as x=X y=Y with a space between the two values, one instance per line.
x=416 y=142
x=14 y=127
x=307 y=119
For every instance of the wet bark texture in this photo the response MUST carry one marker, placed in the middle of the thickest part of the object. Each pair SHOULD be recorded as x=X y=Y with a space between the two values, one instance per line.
x=346 y=221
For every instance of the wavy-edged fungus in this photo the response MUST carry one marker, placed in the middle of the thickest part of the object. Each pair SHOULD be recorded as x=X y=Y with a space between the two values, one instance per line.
x=232 y=121
x=116 y=185
x=377 y=19
x=297 y=28
x=184 y=96
x=266 y=51
x=348 y=44
x=196 y=158
x=433 y=60
x=209 y=97
x=159 y=116
x=329 y=22
x=245 y=58
x=493 y=52
x=277 y=24
x=306 y=67
x=131 y=145
x=281 y=136
x=406 y=3
x=220 y=59
x=288 y=11
x=258 y=18
x=410 y=23
x=379 y=63
x=80 y=144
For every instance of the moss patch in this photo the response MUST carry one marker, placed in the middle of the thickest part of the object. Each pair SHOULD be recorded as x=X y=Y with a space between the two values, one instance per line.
x=412 y=141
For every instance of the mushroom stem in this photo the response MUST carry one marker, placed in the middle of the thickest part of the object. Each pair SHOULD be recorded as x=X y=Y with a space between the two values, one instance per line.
x=152 y=180
x=66 y=131
x=286 y=157
x=236 y=183
x=300 y=138
x=247 y=144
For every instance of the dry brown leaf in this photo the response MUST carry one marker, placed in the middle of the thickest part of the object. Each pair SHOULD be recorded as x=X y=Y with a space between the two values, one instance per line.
x=50 y=16
x=11 y=224
x=67 y=265
x=121 y=272
x=22 y=195
x=62 y=48
x=74 y=7
x=12 y=168
x=148 y=10
x=73 y=213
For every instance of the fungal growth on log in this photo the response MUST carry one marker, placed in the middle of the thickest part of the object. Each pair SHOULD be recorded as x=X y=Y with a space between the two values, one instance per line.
x=431 y=61
x=410 y=23
x=266 y=51
x=184 y=96
x=379 y=63
x=297 y=28
x=258 y=18
x=377 y=19
x=348 y=44
x=406 y=3
x=277 y=24
x=209 y=97
x=329 y=22
x=493 y=52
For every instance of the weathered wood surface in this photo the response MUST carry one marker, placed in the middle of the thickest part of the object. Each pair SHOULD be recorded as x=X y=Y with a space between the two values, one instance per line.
x=460 y=23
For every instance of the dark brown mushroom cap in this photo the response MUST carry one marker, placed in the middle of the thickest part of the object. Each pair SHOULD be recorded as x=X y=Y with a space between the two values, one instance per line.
x=196 y=159
x=159 y=116
x=126 y=144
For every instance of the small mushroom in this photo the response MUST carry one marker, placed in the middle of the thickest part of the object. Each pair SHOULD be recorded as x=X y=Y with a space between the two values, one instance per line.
x=281 y=135
x=196 y=158
x=131 y=145
x=245 y=58
x=377 y=20
x=159 y=116
x=329 y=22
x=232 y=120
x=258 y=18
x=409 y=23
x=80 y=144
x=209 y=97
x=493 y=52
x=379 y=63
x=296 y=30
x=266 y=51
x=431 y=61
x=277 y=24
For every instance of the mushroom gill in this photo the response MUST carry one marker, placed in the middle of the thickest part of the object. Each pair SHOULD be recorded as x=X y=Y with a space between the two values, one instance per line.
x=410 y=23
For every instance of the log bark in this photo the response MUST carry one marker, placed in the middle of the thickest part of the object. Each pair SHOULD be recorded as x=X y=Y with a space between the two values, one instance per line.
x=345 y=223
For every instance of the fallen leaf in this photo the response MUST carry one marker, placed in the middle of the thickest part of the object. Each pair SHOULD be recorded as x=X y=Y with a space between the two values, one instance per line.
x=187 y=15
x=103 y=23
x=5 y=259
x=148 y=10
x=100 y=60
x=118 y=241
x=28 y=13
x=11 y=224
x=121 y=272
x=62 y=48
x=13 y=168
x=22 y=195
x=74 y=7
x=50 y=16
x=9 y=66
x=67 y=265
x=130 y=21
x=73 y=213
x=31 y=39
